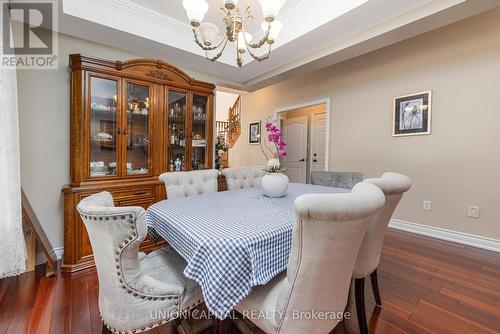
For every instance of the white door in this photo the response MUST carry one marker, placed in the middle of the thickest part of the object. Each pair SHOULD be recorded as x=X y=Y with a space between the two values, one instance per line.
x=318 y=142
x=295 y=135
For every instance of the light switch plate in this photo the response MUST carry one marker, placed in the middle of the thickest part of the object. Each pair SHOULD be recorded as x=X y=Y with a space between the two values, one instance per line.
x=427 y=205
x=473 y=211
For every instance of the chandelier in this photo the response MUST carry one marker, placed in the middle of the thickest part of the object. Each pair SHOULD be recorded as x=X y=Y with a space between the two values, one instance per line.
x=205 y=33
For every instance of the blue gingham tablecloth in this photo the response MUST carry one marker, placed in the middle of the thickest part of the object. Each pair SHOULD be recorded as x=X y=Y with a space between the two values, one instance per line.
x=231 y=240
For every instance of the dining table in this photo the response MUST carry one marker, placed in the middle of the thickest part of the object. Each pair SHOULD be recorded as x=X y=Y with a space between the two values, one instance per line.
x=231 y=240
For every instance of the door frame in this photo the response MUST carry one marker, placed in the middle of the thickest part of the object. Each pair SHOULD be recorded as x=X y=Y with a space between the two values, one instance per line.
x=325 y=101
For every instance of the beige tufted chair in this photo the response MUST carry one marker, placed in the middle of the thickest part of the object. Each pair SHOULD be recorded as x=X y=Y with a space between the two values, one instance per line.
x=184 y=184
x=243 y=177
x=326 y=240
x=345 y=180
x=393 y=185
x=136 y=291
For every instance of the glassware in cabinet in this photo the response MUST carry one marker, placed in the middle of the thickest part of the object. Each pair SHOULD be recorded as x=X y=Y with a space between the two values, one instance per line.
x=137 y=135
x=103 y=127
x=176 y=139
x=200 y=132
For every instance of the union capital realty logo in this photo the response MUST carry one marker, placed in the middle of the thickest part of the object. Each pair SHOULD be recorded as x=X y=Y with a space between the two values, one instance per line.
x=29 y=38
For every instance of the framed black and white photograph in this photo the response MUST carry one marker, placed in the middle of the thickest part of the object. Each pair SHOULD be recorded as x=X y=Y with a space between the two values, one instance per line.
x=412 y=115
x=254 y=132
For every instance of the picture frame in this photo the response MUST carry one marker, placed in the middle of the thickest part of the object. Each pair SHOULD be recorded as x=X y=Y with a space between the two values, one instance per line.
x=254 y=130
x=412 y=114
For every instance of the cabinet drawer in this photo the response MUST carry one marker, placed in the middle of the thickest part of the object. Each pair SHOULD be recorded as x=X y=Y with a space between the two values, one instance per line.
x=141 y=201
x=133 y=193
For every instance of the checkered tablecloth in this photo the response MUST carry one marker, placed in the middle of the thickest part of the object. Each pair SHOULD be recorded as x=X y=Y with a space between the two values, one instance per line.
x=231 y=240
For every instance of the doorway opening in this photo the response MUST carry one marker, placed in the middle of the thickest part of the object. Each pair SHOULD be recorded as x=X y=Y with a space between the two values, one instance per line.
x=305 y=130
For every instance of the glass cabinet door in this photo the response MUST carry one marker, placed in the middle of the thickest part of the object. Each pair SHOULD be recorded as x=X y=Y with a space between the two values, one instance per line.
x=103 y=127
x=200 y=132
x=137 y=135
x=176 y=139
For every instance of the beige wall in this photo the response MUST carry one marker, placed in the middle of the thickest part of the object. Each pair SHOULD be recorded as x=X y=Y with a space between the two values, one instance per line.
x=44 y=117
x=223 y=101
x=458 y=165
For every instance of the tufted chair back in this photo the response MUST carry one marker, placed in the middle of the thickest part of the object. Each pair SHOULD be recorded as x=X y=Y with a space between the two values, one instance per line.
x=115 y=234
x=393 y=185
x=326 y=240
x=185 y=184
x=345 y=180
x=243 y=177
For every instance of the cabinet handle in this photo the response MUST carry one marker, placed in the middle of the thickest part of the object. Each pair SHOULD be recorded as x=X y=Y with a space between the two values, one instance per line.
x=139 y=193
x=302 y=160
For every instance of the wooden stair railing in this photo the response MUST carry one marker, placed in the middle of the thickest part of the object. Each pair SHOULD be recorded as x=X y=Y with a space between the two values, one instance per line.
x=221 y=127
x=231 y=129
x=234 y=119
x=29 y=217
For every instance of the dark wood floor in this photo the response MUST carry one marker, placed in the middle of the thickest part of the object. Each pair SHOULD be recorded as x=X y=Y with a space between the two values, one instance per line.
x=427 y=286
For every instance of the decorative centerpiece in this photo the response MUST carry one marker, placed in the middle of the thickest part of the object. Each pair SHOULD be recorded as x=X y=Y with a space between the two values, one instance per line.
x=275 y=182
x=221 y=147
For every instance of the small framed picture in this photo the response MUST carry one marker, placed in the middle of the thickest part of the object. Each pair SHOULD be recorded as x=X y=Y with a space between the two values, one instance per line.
x=254 y=132
x=412 y=115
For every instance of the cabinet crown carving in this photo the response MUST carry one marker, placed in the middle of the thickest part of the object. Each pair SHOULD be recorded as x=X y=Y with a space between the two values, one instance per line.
x=157 y=74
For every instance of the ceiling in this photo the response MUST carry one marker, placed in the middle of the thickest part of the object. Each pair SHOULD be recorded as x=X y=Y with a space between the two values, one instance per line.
x=316 y=33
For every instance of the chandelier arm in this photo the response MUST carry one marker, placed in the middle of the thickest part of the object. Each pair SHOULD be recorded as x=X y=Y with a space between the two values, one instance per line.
x=217 y=56
x=206 y=48
x=238 y=60
x=258 y=58
x=263 y=57
x=262 y=41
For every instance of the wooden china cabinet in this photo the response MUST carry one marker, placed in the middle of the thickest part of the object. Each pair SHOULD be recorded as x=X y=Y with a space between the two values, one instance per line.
x=130 y=122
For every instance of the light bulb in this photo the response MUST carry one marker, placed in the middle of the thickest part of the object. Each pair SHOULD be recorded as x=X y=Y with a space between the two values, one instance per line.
x=208 y=32
x=271 y=8
x=242 y=47
x=276 y=27
x=196 y=10
x=230 y=4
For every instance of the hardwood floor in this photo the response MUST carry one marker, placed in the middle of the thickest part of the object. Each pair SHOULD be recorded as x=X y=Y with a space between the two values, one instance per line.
x=427 y=286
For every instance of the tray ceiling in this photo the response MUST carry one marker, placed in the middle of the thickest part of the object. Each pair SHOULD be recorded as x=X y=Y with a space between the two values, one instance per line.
x=316 y=33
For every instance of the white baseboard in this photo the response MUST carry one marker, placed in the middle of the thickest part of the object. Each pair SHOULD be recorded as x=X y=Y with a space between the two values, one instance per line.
x=57 y=252
x=443 y=234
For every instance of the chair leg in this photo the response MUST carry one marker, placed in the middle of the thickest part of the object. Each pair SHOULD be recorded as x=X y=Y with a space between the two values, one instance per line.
x=376 y=292
x=359 y=291
x=105 y=330
x=222 y=326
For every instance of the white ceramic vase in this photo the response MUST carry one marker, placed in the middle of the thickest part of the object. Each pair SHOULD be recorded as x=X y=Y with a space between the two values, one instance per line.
x=275 y=184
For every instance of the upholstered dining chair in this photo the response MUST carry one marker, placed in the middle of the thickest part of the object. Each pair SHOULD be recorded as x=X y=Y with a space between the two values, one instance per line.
x=326 y=238
x=393 y=185
x=185 y=184
x=243 y=177
x=136 y=291
x=345 y=180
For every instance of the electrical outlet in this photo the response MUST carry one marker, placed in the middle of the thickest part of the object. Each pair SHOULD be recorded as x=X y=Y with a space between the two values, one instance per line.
x=473 y=211
x=428 y=205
